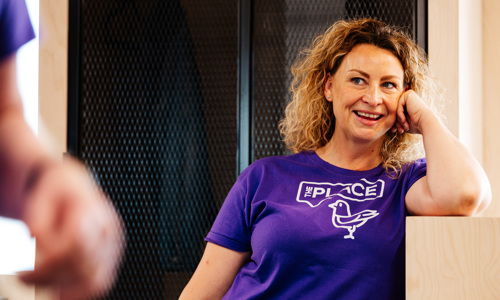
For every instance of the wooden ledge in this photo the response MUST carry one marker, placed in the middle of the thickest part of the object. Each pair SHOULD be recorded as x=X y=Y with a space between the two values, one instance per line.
x=452 y=258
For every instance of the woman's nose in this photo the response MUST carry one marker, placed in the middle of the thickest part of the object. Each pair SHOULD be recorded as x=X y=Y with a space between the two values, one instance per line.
x=372 y=96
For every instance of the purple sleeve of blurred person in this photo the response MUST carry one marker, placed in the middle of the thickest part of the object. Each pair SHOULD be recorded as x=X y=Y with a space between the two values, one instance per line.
x=15 y=26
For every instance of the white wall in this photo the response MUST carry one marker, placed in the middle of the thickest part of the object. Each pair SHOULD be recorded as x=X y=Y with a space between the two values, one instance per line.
x=491 y=99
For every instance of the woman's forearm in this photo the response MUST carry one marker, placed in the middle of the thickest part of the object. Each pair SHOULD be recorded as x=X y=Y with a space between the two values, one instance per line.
x=455 y=178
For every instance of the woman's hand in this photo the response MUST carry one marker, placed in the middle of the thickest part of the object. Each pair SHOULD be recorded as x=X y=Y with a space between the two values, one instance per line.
x=410 y=112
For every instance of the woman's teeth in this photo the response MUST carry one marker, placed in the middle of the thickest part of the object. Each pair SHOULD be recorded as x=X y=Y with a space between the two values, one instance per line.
x=366 y=115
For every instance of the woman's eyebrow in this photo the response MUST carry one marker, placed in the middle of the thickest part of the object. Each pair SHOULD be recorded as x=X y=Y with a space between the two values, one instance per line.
x=391 y=77
x=359 y=71
x=385 y=77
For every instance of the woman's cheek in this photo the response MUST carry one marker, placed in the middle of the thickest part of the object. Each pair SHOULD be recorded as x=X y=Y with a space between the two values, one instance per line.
x=393 y=106
x=392 y=109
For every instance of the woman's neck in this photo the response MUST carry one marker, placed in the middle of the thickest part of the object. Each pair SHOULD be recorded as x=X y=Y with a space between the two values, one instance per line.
x=351 y=155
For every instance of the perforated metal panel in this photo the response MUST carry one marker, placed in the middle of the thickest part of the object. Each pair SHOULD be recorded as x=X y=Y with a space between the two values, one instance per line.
x=158 y=128
x=281 y=29
x=154 y=107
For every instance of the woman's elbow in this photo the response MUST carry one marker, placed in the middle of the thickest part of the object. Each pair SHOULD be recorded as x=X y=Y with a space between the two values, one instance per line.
x=472 y=201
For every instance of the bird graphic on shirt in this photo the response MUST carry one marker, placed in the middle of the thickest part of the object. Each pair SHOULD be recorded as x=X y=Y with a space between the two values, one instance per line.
x=342 y=217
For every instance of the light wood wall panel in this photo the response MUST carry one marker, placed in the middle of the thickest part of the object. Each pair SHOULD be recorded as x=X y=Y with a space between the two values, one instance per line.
x=53 y=74
x=444 y=55
x=452 y=258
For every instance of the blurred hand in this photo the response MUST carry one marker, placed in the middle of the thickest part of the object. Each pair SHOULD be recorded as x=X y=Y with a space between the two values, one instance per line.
x=79 y=235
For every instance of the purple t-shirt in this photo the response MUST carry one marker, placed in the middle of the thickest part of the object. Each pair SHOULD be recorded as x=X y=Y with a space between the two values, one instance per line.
x=316 y=231
x=15 y=26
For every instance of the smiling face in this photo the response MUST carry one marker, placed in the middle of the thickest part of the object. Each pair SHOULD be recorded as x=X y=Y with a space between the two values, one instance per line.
x=365 y=91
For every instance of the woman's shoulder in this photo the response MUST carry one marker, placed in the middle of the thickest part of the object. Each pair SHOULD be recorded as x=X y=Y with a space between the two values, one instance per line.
x=277 y=163
x=414 y=170
x=415 y=165
x=300 y=157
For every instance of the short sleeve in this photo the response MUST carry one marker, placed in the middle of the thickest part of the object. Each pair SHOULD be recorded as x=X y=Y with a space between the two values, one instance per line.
x=231 y=229
x=415 y=171
x=15 y=26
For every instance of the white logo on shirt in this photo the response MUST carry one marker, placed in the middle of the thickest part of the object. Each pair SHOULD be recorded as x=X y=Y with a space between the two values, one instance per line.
x=315 y=193
x=342 y=217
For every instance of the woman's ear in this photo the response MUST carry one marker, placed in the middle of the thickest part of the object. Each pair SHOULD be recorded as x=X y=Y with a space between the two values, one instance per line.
x=328 y=87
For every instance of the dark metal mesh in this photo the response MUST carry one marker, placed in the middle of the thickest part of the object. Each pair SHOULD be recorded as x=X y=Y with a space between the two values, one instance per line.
x=281 y=29
x=158 y=128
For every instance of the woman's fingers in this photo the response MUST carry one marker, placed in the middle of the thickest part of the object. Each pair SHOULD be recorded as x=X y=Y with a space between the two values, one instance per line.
x=400 y=112
x=409 y=111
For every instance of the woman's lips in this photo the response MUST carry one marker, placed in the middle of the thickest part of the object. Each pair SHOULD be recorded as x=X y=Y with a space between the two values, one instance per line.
x=366 y=118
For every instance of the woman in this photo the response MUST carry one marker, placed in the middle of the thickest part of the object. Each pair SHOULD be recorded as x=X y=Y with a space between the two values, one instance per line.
x=328 y=221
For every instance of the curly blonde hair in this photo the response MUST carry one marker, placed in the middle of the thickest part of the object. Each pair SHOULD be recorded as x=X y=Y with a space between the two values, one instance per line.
x=309 y=121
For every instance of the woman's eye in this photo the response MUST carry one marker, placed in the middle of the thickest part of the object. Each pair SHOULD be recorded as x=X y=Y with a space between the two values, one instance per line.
x=357 y=80
x=389 y=85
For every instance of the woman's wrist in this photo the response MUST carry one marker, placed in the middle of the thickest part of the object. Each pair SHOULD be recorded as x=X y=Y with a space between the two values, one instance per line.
x=428 y=121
